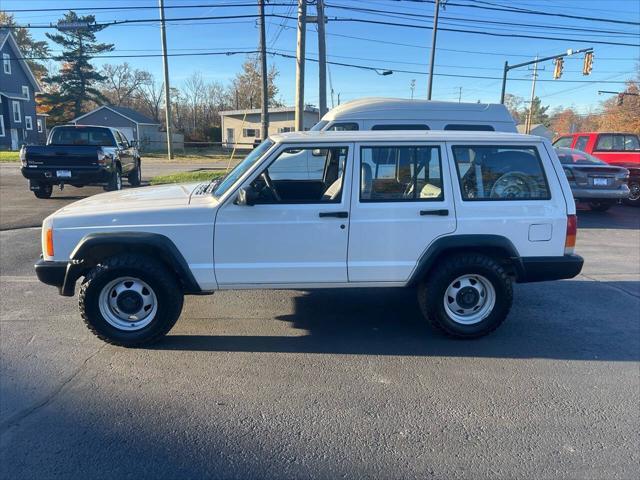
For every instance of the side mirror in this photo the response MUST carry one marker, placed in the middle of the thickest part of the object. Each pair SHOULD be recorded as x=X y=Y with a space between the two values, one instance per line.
x=133 y=143
x=247 y=196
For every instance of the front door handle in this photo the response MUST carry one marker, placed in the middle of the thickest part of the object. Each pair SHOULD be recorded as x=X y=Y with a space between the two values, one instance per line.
x=442 y=213
x=334 y=214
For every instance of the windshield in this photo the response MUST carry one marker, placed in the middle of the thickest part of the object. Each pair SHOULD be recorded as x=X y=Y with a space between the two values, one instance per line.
x=572 y=156
x=319 y=126
x=242 y=167
x=95 y=136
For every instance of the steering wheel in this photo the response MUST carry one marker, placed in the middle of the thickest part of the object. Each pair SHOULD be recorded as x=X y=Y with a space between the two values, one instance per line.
x=269 y=183
x=514 y=185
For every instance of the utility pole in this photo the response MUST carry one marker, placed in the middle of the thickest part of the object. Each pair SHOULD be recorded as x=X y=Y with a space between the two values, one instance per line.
x=264 y=116
x=533 y=96
x=322 y=59
x=167 y=91
x=300 y=54
x=412 y=87
x=433 y=49
x=459 y=94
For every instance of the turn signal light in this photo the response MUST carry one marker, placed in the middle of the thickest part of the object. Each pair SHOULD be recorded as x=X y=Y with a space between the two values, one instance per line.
x=572 y=230
x=48 y=242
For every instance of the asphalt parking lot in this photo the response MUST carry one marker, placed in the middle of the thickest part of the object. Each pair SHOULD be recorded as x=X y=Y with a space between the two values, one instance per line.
x=325 y=384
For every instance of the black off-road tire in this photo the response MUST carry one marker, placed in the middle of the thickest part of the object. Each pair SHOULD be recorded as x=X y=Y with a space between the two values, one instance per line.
x=431 y=293
x=163 y=282
x=45 y=191
x=135 y=175
x=115 y=182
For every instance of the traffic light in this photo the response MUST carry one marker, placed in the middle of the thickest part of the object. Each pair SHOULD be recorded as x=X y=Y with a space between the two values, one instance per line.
x=587 y=66
x=557 y=71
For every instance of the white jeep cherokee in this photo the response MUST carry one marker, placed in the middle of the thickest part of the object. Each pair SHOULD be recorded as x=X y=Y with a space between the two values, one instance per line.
x=459 y=215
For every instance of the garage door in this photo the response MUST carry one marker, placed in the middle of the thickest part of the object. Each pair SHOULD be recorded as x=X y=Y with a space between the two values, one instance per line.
x=127 y=132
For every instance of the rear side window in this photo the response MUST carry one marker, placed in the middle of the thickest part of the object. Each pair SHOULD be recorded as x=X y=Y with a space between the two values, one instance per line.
x=500 y=172
x=618 y=143
x=400 y=173
x=476 y=128
x=400 y=126
x=581 y=143
x=344 y=127
x=563 y=142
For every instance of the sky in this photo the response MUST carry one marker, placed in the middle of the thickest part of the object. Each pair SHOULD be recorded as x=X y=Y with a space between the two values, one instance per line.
x=387 y=47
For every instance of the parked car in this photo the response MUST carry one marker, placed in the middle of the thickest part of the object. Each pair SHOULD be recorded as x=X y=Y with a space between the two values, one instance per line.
x=620 y=149
x=404 y=114
x=459 y=215
x=81 y=155
x=593 y=181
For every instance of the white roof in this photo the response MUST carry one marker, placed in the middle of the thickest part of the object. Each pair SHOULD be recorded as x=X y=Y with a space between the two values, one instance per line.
x=403 y=136
x=401 y=108
x=271 y=110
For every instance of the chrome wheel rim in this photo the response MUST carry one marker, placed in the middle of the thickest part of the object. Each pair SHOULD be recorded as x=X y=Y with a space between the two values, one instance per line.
x=634 y=194
x=118 y=181
x=128 y=304
x=469 y=299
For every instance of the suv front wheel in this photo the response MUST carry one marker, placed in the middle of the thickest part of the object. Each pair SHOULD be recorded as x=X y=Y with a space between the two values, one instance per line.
x=466 y=296
x=130 y=300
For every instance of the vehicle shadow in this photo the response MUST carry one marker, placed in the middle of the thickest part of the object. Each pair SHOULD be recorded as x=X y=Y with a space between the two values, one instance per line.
x=617 y=217
x=544 y=323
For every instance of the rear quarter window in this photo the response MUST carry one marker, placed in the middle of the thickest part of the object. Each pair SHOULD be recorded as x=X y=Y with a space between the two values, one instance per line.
x=500 y=173
x=563 y=142
x=617 y=142
x=469 y=127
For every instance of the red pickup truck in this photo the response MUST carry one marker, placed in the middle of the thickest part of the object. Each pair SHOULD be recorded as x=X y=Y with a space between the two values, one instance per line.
x=621 y=149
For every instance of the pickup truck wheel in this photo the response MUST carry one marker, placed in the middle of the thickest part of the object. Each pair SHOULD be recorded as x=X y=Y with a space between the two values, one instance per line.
x=466 y=296
x=115 y=182
x=45 y=191
x=135 y=175
x=130 y=300
x=634 y=195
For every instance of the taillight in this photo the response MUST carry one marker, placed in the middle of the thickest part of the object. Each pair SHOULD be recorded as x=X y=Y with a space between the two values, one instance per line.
x=23 y=157
x=572 y=230
x=48 y=242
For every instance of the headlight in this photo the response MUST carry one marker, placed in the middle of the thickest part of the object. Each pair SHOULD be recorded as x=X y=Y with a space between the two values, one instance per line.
x=23 y=157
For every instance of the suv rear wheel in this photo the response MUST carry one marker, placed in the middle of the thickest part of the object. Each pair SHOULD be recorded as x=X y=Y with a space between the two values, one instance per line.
x=466 y=296
x=115 y=182
x=130 y=300
x=135 y=175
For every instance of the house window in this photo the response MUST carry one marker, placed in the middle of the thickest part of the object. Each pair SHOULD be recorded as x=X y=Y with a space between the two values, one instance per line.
x=25 y=92
x=6 y=63
x=250 y=132
x=28 y=123
x=15 y=107
x=285 y=129
x=1 y=126
x=40 y=125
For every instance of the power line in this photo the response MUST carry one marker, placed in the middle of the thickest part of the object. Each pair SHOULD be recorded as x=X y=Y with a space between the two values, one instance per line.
x=473 y=20
x=342 y=64
x=141 y=7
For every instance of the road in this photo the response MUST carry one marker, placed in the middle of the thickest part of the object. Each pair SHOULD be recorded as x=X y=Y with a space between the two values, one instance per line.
x=329 y=384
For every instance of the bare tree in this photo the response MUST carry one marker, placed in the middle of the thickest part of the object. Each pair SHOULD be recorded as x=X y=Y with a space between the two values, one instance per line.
x=150 y=98
x=122 y=83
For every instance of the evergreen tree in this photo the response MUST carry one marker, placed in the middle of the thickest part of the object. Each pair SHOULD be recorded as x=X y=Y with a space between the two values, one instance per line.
x=28 y=46
x=73 y=86
x=538 y=113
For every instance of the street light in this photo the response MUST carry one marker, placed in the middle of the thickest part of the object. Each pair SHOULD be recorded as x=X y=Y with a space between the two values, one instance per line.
x=384 y=73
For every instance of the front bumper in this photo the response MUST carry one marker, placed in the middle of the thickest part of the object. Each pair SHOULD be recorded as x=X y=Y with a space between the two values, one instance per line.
x=619 y=193
x=540 y=269
x=58 y=274
x=79 y=176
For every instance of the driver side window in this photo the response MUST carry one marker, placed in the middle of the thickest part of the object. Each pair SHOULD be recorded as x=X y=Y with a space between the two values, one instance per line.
x=494 y=172
x=303 y=175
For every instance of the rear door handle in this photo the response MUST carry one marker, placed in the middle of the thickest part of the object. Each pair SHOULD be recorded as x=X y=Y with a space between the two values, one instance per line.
x=334 y=214
x=442 y=213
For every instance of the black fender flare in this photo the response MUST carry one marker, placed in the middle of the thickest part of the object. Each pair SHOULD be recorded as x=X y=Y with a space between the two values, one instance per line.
x=95 y=246
x=494 y=243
